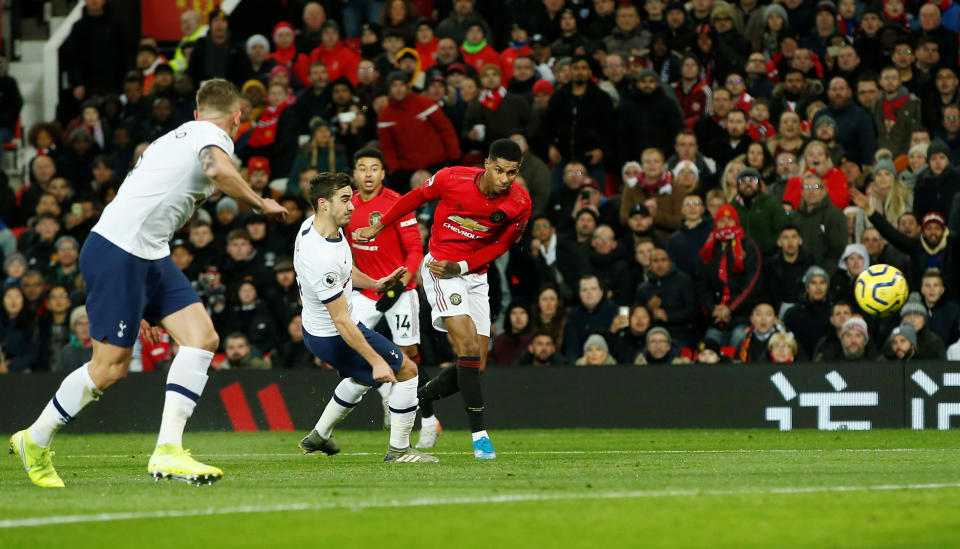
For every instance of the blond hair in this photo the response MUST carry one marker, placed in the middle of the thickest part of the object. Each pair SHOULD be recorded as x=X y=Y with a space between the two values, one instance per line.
x=217 y=98
x=783 y=338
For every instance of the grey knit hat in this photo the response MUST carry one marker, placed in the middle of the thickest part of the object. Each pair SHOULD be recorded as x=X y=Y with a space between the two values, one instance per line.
x=907 y=330
x=938 y=146
x=914 y=305
x=659 y=330
x=775 y=8
x=855 y=323
x=813 y=271
x=596 y=340
x=77 y=314
x=885 y=164
x=227 y=203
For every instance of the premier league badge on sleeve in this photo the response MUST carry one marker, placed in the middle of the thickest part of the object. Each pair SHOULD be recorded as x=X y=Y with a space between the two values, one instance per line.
x=330 y=279
x=497 y=216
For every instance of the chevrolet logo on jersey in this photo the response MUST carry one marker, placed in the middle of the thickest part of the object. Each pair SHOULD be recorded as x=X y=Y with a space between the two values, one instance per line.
x=468 y=223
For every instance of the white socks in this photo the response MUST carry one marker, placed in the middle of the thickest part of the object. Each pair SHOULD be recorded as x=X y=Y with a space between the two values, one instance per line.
x=385 y=390
x=185 y=382
x=76 y=392
x=347 y=394
x=403 y=412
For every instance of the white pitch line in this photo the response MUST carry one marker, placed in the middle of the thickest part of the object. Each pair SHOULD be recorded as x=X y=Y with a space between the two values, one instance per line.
x=422 y=502
x=559 y=452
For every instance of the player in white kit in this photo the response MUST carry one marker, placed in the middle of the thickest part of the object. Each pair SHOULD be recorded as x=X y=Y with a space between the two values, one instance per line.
x=363 y=358
x=131 y=281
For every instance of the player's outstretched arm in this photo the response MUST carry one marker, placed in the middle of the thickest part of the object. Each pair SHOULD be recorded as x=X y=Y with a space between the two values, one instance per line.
x=364 y=281
x=216 y=165
x=354 y=338
x=407 y=203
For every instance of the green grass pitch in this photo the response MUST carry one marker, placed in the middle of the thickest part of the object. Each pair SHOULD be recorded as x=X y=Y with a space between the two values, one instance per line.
x=565 y=488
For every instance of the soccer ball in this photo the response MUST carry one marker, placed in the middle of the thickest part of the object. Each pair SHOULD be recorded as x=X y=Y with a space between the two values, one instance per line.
x=881 y=290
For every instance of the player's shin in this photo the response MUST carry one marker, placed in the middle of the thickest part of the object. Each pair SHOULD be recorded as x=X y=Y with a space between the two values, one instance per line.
x=345 y=397
x=426 y=406
x=468 y=378
x=442 y=386
x=403 y=412
x=185 y=382
x=76 y=392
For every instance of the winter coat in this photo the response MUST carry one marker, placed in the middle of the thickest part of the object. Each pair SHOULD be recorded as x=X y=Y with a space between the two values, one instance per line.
x=856 y=132
x=576 y=125
x=684 y=244
x=762 y=220
x=908 y=118
x=824 y=233
x=677 y=300
x=783 y=281
x=935 y=193
x=809 y=321
x=647 y=120
x=921 y=259
x=745 y=287
x=415 y=134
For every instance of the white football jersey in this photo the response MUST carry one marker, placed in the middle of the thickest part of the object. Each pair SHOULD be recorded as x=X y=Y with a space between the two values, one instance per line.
x=162 y=191
x=324 y=269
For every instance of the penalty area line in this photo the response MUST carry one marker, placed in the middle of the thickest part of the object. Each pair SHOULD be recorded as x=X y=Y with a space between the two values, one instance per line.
x=467 y=500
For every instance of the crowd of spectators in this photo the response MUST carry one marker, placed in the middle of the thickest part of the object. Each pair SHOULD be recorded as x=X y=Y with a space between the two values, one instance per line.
x=708 y=179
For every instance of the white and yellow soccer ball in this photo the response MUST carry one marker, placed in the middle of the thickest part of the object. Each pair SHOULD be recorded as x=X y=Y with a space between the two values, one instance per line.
x=881 y=290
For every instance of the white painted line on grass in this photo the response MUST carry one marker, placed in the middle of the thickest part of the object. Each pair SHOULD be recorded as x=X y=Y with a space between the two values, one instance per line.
x=550 y=452
x=468 y=500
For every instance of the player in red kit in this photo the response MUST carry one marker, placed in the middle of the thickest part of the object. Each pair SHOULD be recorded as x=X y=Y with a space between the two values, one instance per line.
x=397 y=245
x=480 y=213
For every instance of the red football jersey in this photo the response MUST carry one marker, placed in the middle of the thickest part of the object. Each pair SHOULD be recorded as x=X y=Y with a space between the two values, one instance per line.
x=396 y=245
x=467 y=226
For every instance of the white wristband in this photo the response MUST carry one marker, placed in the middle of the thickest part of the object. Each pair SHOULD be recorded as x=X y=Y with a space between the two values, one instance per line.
x=463 y=267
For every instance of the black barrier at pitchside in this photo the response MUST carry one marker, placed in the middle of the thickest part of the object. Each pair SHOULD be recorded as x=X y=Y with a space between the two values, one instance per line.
x=789 y=396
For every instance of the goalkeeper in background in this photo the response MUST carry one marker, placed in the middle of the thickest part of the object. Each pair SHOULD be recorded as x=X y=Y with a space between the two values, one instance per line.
x=398 y=244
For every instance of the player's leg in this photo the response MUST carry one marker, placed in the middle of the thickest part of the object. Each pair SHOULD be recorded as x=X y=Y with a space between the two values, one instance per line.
x=403 y=405
x=174 y=301
x=346 y=396
x=365 y=312
x=404 y=321
x=115 y=303
x=447 y=300
x=468 y=376
x=77 y=391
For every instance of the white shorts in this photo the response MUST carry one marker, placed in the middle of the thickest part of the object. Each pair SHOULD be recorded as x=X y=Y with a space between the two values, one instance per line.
x=403 y=317
x=461 y=295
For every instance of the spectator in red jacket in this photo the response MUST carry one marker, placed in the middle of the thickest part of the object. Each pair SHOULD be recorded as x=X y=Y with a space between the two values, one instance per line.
x=414 y=133
x=338 y=58
x=817 y=160
x=286 y=54
x=476 y=51
x=519 y=45
x=426 y=43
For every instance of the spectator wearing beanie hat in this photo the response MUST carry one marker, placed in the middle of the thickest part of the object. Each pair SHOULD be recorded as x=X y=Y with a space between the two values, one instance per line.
x=933 y=248
x=659 y=348
x=929 y=345
x=595 y=352
x=729 y=285
x=542 y=90
x=285 y=54
x=761 y=215
x=258 y=175
x=902 y=343
x=855 y=342
x=80 y=347
x=709 y=352
x=809 y=320
x=939 y=184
